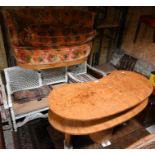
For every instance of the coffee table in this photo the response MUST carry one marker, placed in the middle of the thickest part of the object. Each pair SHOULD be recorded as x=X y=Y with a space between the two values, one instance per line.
x=93 y=107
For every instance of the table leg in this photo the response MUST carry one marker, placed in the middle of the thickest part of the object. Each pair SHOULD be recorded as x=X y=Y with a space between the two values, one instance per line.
x=67 y=141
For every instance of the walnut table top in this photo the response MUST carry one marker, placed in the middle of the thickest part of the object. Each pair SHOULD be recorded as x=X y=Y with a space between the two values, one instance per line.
x=115 y=93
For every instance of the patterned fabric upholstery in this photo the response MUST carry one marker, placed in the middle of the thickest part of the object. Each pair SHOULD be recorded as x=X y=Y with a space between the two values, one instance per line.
x=48 y=36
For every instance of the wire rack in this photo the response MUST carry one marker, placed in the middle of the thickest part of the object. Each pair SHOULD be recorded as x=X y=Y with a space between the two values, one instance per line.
x=78 y=69
x=52 y=76
x=18 y=78
x=80 y=78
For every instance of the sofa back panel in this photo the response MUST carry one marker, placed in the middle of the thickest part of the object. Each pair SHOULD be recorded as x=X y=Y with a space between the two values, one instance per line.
x=19 y=20
x=24 y=17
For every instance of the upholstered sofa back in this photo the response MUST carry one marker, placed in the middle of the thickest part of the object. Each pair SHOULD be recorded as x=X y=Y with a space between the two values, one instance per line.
x=19 y=19
x=47 y=36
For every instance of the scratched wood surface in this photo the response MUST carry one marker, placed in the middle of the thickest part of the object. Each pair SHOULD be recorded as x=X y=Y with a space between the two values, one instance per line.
x=110 y=95
x=147 y=142
x=88 y=127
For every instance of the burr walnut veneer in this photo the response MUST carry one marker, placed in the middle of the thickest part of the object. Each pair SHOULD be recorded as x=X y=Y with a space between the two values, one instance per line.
x=90 y=107
x=110 y=95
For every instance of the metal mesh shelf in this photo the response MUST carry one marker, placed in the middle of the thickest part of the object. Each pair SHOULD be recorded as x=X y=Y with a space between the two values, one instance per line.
x=78 y=69
x=20 y=79
x=52 y=76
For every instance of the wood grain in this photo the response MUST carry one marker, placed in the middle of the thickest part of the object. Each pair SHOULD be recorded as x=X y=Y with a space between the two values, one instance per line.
x=89 y=127
x=147 y=142
x=3 y=59
x=30 y=106
x=117 y=92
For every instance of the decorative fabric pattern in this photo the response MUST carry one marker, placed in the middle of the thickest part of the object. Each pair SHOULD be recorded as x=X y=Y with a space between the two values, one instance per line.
x=46 y=36
x=51 y=55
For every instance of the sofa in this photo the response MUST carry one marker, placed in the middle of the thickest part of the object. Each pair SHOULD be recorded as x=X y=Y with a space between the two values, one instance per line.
x=44 y=38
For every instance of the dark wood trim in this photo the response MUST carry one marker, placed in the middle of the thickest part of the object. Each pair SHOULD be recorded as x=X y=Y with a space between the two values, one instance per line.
x=2 y=142
x=122 y=25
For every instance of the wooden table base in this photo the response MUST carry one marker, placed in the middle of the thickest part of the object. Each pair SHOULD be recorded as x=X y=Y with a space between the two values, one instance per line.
x=102 y=137
x=67 y=141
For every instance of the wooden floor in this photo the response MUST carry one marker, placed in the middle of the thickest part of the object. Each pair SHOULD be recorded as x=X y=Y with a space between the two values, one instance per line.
x=123 y=136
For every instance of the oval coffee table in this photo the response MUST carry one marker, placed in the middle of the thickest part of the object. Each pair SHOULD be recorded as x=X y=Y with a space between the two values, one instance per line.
x=91 y=107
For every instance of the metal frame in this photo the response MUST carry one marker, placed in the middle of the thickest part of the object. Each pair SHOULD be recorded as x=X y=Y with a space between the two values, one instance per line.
x=10 y=82
x=75 y=73
x=31 y=116
x=18 y=79
x=84 y=77
x=4 y=98
x=4 y=108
